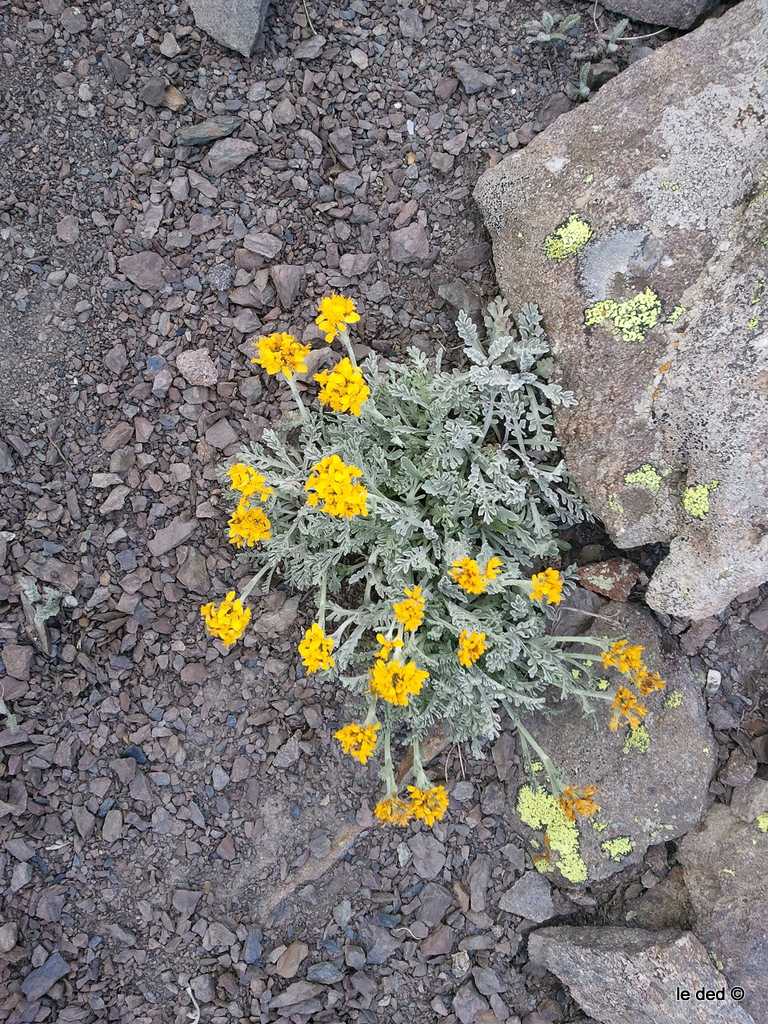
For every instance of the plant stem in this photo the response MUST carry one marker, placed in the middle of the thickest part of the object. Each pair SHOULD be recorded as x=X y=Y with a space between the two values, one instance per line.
x=297 y=399
x=252 y=582
x=344 y=335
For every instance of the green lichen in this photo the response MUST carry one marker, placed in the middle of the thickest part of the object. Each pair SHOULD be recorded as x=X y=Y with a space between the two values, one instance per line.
x=617 y=848
x=646 y=477
x=568 y=239
x=603 y=683
x=536 y=767
x=674 y=700
x=638 y=739
x=762 y=822
x=631 y=319
x=695 y=499
x=614 y=505
x=677 y=312
x=752 y=324
x=540 y=810
x=599 y=826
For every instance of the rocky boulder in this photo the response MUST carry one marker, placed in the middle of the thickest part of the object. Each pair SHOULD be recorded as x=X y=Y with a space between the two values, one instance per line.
x=724 y=863
x=651 y=785
x=638 y=223
x=631 y=976
x=675 y=13
x=236 y=24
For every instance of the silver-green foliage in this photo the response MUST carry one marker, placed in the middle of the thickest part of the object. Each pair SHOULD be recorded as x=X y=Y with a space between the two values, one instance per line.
x=457 y=462
x=548 y=30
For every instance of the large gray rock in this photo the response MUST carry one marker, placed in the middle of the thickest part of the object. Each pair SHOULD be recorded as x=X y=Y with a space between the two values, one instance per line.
x=631 y=976
x=667 y=165
x=235 y=24
x=648 y=796
x=724 y=863
x=676 y=13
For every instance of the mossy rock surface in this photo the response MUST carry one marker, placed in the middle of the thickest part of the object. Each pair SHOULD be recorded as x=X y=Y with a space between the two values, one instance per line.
x=659 y=320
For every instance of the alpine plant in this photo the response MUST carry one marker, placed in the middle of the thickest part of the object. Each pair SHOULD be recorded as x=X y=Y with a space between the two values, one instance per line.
x=420 y=506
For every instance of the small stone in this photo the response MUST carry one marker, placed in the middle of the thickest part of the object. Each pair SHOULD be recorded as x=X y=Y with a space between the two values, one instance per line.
x=210 y=130
x=197 y=368
x=456 y=144
x=325 y=972
x=9 y=933
x=221 y=435
x=530 y=897
x=309 y=48
x=488 y=982
x=409 y=244
x=177 y=532
x=288 y=754
x=204 y=987
x=113 y=826
x=153 y=92
x=468 y=1004
x=759 y=617
x=263 y=243
x=472 y=79
x=290 y=961
x=169 y=47
x=144 y=269
x=442 y=162
x=17 y=659
x=440 y=942
x=254 y=946
x=739 y=769
x=285 y=112
x=226 y=154
x=411 y=23
x=185 y=901
x=68 y=230
x=289 y=281
x=556 y=105
x=613 y=578
x=428 y=855
x=117 y=69
x=43 y=978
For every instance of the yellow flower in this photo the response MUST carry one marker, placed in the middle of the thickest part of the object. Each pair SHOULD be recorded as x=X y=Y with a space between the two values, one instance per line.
x=547 y=585
x=248 y=525
x=648 y=682
x=315 y=650
x=393 y=811
x=228 y=620
x=281 y=353
x=386 y=646
x=626 y=705
x=471 y=647
x=623 y=657
x=331 y=481
x=335 y=312
x=428 y=805
x=358 y=741
x=467 y=573
x=575 y=801
x=248 y=482
x=410 y=612
x=395 y=681
x=343 y=388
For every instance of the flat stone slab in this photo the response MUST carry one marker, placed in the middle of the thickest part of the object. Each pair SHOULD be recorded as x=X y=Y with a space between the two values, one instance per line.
x=631 y=976
x=657 y=307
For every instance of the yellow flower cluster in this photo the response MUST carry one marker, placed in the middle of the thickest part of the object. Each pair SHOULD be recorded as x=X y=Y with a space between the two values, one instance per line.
x=247 y=481
x=427 y=805
x=387 y=646
x=343 y=388
x=628 y=659
x=226 y=621
x=472 y=646
x=579 y=801
x=315 y=649
x=547 y=585
x=410 y=612
x=281 y=353
x=332 y=482
x=396 y=681
x=248 y=525
x=359 y=741
x=335 y=313
x=467 y=573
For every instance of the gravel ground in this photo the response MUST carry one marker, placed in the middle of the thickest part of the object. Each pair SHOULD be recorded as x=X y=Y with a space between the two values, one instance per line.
x=159 y=796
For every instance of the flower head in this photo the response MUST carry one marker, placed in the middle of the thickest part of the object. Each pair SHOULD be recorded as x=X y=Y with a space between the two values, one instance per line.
x=547 y=586
x=410 y=612
x=315 y=649
x=332 y=482
x=428 y=805
x=396 y=681
x=626 y=705
x=623 y=657
x=579 y=801
x=334 y=313
x=281 y=353
x=358 y=741
x=386 y=646
x=648 y=682
x=393 y=811
x=471 y=578
x=343 y=388
x=226 y=621
x=248 y=525
x=471 y=647
x=248 y=482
